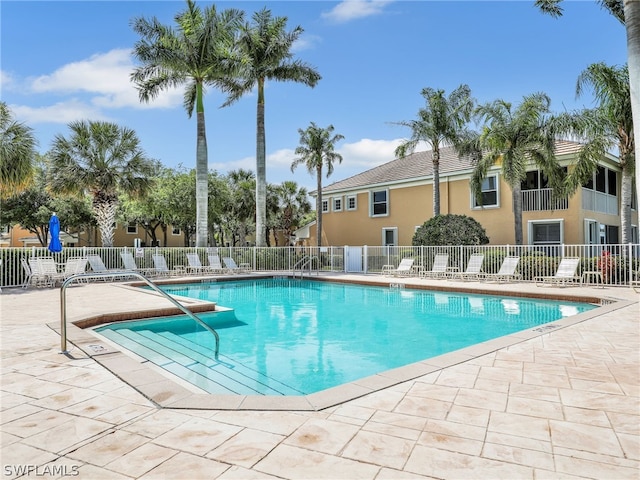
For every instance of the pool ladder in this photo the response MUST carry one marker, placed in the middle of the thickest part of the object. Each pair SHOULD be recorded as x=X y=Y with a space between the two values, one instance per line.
x=86 y=276
x=303 y=263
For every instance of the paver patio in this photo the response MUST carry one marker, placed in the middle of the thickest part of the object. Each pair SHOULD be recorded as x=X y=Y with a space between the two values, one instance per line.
x=564 y=404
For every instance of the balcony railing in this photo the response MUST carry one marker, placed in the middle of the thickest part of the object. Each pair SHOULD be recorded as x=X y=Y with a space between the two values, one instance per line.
x=599 y=202
x=542 y=199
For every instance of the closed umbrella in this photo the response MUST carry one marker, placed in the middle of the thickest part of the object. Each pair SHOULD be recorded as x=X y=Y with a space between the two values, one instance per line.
x=54 y=230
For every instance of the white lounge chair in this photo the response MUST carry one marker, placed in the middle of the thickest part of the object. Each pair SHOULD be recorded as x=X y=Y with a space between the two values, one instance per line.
x=232 y=267
x=439 y=269
x=565 y=274
x=215 y=264
x=507 y=270
x=98 y=266
x=403 y=270
x=474 y=268
x=130 y=264
x=161 y=268
x=195 y=265
x=35 y=275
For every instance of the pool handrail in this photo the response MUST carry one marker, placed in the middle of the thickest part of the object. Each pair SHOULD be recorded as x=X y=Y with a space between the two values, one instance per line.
x=113 y=273
x=304 y=262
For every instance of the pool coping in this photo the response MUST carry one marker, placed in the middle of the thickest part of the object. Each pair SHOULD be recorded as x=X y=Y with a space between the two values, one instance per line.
x=167 y=391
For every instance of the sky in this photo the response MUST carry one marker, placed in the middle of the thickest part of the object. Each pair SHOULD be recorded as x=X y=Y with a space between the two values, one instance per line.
x=67 y=61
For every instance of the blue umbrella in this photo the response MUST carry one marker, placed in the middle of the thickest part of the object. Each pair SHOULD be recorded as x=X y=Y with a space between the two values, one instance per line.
x=54 y=230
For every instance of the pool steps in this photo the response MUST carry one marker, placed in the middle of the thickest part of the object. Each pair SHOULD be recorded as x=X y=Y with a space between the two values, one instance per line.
x=196 y=365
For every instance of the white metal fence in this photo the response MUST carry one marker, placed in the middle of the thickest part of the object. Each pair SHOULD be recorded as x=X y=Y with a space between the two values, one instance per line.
x=616 y=264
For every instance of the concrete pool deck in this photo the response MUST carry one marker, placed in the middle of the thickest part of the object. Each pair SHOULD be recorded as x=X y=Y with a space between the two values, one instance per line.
x=559 y=403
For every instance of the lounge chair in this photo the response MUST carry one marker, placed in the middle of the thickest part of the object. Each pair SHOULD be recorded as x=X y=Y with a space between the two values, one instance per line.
x=34 y=275
x=507 y=270
x=439 y=269
x=130 y=264
x=98 y=266
x=233 y=267
x=403 y=270
x=565 y=274
x=161 y=268
x=474 y=268
x=195 y=265
x=215 y=265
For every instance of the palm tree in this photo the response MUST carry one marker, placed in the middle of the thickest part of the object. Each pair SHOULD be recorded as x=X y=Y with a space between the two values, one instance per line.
x=102 y=159
x=515 y=137
x=294 y=204
x=198 y=53
x=242 y=184
x=17 y=153
x=267 y=49
x=610 y=124
x=442 y=121
x=316 y=151
x=628 y=13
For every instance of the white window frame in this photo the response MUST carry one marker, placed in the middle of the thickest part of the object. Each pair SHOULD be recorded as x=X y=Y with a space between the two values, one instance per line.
x=325 y=206
x=473 y=203
x=355 y=202
x=128 y=228
x=384 y=236
x=335 y=200
x=176 y=231
x=531 y=223
x=371 y=197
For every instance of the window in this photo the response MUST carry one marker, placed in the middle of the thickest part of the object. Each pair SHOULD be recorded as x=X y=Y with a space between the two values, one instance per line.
x=132 y=228
x=389 y=236
x=603 y=181
x=379 y=203
x=352 y=203
x=175 y=231
x=546 y=232
x=325 y=206
x=337 y=204
x=489 y=193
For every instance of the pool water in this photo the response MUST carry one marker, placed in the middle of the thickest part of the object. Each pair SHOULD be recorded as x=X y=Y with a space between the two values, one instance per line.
x=296 y=337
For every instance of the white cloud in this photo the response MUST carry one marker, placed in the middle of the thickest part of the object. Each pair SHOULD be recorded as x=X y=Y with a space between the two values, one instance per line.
x=368 y=153
x=247 y=163
x=305 y=42
x=353 y=9
x=62 y=112
x=105 y=76
x=6 y=80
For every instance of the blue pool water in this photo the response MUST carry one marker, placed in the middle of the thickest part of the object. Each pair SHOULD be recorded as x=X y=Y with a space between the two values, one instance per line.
x=295 y=337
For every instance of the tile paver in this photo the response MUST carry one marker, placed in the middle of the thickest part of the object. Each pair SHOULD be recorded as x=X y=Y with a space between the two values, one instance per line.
x=564 y=403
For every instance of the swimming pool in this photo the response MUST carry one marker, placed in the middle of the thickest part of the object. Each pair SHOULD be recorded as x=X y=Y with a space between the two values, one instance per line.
x=296 y=337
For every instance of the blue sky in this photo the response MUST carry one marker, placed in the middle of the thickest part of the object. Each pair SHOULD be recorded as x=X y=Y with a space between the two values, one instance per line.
x=66 y=61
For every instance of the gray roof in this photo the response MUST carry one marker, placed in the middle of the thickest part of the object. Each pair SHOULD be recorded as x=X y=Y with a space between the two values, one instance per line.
x=419 y=166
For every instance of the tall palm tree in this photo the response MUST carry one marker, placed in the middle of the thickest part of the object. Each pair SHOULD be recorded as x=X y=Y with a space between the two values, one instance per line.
x=442 y=121
x=17 y=153
x=628 y=13
x=316 y=151
x=198 y=53
x=102 y=159
x=267 y=49
x=515 y=137
x=609 y=124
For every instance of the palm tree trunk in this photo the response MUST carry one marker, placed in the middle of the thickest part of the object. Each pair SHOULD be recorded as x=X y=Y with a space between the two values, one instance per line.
x=319 y=205
x=202 y=174
x=261 y=175
x=436 y=181
x=632 y=23
x=625 y=204
x=517 y=213
x=105 y=212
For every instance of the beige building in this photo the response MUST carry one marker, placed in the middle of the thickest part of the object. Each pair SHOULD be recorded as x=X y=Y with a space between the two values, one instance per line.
x=124 y=236
x=386 y=204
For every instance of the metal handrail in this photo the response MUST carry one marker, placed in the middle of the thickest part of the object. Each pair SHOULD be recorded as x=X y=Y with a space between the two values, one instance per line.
x=70 y=280
x=303 y=262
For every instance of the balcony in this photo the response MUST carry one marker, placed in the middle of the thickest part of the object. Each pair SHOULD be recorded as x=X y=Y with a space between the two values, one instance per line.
x=599 y=202
x=542 y=199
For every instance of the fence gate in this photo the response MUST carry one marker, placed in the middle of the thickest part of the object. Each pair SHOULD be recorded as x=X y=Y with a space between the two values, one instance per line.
x=353 y=262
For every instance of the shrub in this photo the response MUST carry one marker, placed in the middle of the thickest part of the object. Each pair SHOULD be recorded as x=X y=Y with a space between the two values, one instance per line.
x=450 y=230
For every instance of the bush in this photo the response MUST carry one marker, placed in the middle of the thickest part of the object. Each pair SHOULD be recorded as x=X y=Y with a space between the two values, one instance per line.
x=450 y=230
